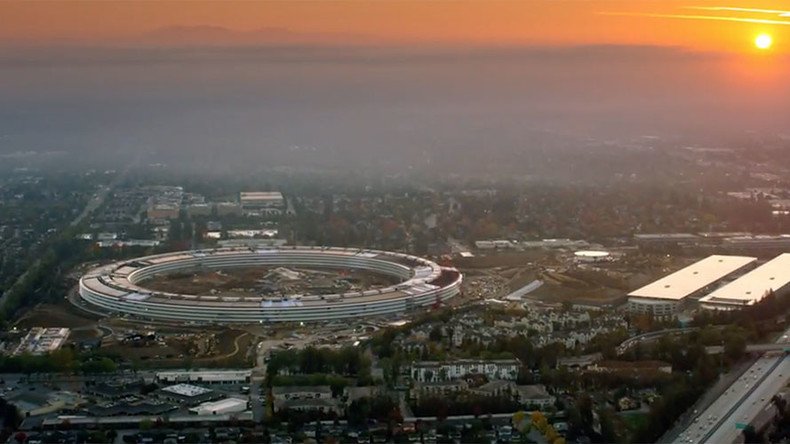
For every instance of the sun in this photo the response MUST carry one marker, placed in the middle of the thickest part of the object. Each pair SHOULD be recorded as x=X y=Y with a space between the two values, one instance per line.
x=763 y=41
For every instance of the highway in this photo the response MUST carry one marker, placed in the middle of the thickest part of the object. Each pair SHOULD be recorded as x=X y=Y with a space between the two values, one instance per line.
x=723 y=420
x=751 y=348
x=652 y=336
x=756 y=399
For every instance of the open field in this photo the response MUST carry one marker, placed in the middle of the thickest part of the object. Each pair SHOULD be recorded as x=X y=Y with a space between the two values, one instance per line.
x=505 y=259
x=554 y=294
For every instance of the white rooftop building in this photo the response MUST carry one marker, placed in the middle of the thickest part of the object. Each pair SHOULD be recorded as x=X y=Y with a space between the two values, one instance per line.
x=40 y=340
x=221 y=407
x=661 y=298
x=592 y=256
x=186 y=390
x=752 y=287
x=261 y=202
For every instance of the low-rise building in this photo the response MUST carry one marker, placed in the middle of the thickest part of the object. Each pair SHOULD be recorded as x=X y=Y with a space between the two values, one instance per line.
x=430 y=371
x=772 y=277
x=124 y=408
x=187 y=394
x=302 y=392
x=579 y=362
x=262 y=203
x=438 y=389
x=30 y=404
x=662 y=297
x=205 y=376
x=200 y=210
x=534 y=395
x=114 y=390
x=221 y=407
x=495 y=388
x=306 y=405
x=228 y=209
x=163 y=211
x=40 y=340
x=305 y=398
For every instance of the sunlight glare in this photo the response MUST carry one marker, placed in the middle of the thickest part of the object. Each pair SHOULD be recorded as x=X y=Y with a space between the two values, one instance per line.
x=763 y=41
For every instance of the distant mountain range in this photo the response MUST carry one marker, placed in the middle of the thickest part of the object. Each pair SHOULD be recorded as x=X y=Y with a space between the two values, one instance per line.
x=220 y=36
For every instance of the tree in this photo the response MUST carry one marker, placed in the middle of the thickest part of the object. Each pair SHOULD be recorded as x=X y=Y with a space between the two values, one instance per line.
x=750 y=435
x=539 y=420
x=436 y=334
x=146 y=424
x=734 y=347
x=520 y=421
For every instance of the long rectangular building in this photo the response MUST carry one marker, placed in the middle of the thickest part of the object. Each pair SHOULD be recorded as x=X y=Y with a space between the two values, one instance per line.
x=759 y=242
x=749 y=289
x=660 y=298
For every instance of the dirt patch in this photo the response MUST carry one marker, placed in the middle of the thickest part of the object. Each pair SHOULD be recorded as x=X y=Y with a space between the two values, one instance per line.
x=521 y=279
x=52 y=315
x=143 y=353
x=83 y=335
x=226 y=347
x=264 y=280
x=513 y=259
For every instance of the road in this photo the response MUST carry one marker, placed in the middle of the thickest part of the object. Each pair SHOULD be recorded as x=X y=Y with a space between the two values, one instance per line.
x=714 y=349
x=757 y=399
x=651 y=336
x=752 y=348
x=741 y=402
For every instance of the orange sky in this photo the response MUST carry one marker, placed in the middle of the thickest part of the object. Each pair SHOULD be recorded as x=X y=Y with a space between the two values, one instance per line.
x=479 y=21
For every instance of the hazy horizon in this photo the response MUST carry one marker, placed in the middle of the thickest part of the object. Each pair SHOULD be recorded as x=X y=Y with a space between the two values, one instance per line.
x=384 y=106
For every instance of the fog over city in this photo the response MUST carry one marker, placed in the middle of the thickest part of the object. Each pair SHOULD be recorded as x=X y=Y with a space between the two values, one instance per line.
x=394 y=221
x=383 y=108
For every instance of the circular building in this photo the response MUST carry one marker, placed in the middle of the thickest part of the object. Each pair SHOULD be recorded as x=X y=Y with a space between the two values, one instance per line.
x=120 y=287
x=592 y=256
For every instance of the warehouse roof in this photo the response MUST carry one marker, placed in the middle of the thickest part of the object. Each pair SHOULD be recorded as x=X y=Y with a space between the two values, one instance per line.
x=754 y=285
x=695 y=277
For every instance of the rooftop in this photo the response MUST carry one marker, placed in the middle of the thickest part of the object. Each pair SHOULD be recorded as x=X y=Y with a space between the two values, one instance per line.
x=261 y=195
x=534 y=391
x=220 y=406
x=693 y=278
x=466 y=361
x=186 y=390
x=591 y=253
x=665 y=236
x=281 y=390
x=206 y=375
x=754 y=285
